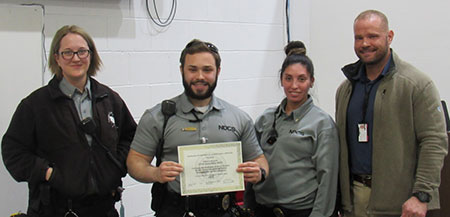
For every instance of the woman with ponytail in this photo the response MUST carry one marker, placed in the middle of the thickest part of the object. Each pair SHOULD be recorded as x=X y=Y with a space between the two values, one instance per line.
x=301 y=145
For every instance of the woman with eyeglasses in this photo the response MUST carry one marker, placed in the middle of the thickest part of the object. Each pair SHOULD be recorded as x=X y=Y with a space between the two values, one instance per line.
x=301 y=145
x=69 y=139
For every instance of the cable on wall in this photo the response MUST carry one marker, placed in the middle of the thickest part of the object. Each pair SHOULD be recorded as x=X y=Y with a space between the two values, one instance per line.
x=287 y=22
x=44 y=52
x=158 y=20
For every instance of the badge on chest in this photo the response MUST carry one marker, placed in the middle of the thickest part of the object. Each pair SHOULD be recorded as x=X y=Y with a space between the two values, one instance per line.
x=363 y=135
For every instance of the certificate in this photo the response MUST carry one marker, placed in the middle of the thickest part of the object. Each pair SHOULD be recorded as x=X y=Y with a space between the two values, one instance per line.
x=210 y=168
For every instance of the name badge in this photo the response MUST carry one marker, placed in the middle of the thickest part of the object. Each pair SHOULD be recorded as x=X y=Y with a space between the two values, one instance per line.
x=363 y=135
x=189 y=129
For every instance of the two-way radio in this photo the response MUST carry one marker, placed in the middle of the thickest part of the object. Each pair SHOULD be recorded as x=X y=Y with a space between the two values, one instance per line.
x=89 y=127
x=168 y=108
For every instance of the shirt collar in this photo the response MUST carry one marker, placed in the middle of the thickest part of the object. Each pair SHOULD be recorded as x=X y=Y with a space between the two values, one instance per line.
x=186 y=105
x=69 y=90
x=362 y=71
x=299 y=112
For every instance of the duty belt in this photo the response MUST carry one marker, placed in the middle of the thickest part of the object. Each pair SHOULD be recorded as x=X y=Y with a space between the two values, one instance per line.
x=218 y=202
x=280 y=211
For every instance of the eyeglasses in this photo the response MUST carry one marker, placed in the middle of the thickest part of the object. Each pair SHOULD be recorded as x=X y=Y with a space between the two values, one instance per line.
x=68 y=54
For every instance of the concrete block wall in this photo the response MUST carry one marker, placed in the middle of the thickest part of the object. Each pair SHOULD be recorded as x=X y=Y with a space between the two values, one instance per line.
x=140 y=60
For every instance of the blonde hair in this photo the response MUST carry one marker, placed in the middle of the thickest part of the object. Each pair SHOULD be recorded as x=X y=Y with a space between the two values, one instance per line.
x=96 y=62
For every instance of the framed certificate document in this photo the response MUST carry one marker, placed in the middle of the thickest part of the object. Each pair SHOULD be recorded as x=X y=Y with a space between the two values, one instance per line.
x=210 y=168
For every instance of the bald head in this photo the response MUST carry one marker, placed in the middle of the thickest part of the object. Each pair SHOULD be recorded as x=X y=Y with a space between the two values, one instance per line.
x=374 y=14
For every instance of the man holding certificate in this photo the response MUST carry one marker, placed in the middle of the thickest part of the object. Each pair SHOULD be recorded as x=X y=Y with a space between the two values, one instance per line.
x=203 y=144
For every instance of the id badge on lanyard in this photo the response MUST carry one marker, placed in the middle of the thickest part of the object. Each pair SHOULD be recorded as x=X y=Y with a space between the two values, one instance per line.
x=363 y=130
x=363 y=127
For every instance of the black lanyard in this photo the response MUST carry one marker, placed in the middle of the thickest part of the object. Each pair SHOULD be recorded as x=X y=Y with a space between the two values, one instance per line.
x=366 y=98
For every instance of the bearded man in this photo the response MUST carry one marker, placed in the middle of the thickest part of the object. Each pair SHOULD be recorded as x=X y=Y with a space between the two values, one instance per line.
x=200 y=117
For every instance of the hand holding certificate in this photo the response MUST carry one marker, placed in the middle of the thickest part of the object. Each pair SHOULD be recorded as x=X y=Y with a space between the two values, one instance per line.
x=210 y=168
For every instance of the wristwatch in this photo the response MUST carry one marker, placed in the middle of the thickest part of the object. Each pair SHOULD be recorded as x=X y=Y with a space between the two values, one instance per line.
x=423 y=197
x=263 y=175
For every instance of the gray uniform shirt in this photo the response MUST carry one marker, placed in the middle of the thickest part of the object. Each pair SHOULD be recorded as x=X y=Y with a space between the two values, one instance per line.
x=82 y=101
x=303 y=161
x=222 y=122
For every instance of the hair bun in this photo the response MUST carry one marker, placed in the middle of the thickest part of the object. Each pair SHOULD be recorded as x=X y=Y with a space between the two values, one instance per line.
x=295 y=48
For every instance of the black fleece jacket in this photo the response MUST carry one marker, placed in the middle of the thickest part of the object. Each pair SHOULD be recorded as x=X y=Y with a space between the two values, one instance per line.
x=45 y=131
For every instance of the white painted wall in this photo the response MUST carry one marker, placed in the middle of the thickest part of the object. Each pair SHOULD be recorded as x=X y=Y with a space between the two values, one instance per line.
x=141 y=61
x=21 y=39
x=421 y=37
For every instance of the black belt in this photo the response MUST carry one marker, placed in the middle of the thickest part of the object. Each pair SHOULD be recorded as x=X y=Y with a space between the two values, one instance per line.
x=280 y=211
x=217 y=202
x=83 y=201
x=364 y=179
x=93 y=205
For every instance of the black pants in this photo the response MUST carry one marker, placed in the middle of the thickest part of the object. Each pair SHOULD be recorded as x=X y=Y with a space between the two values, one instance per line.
x=95 y=206
x=263 y=211
x=176 y=206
